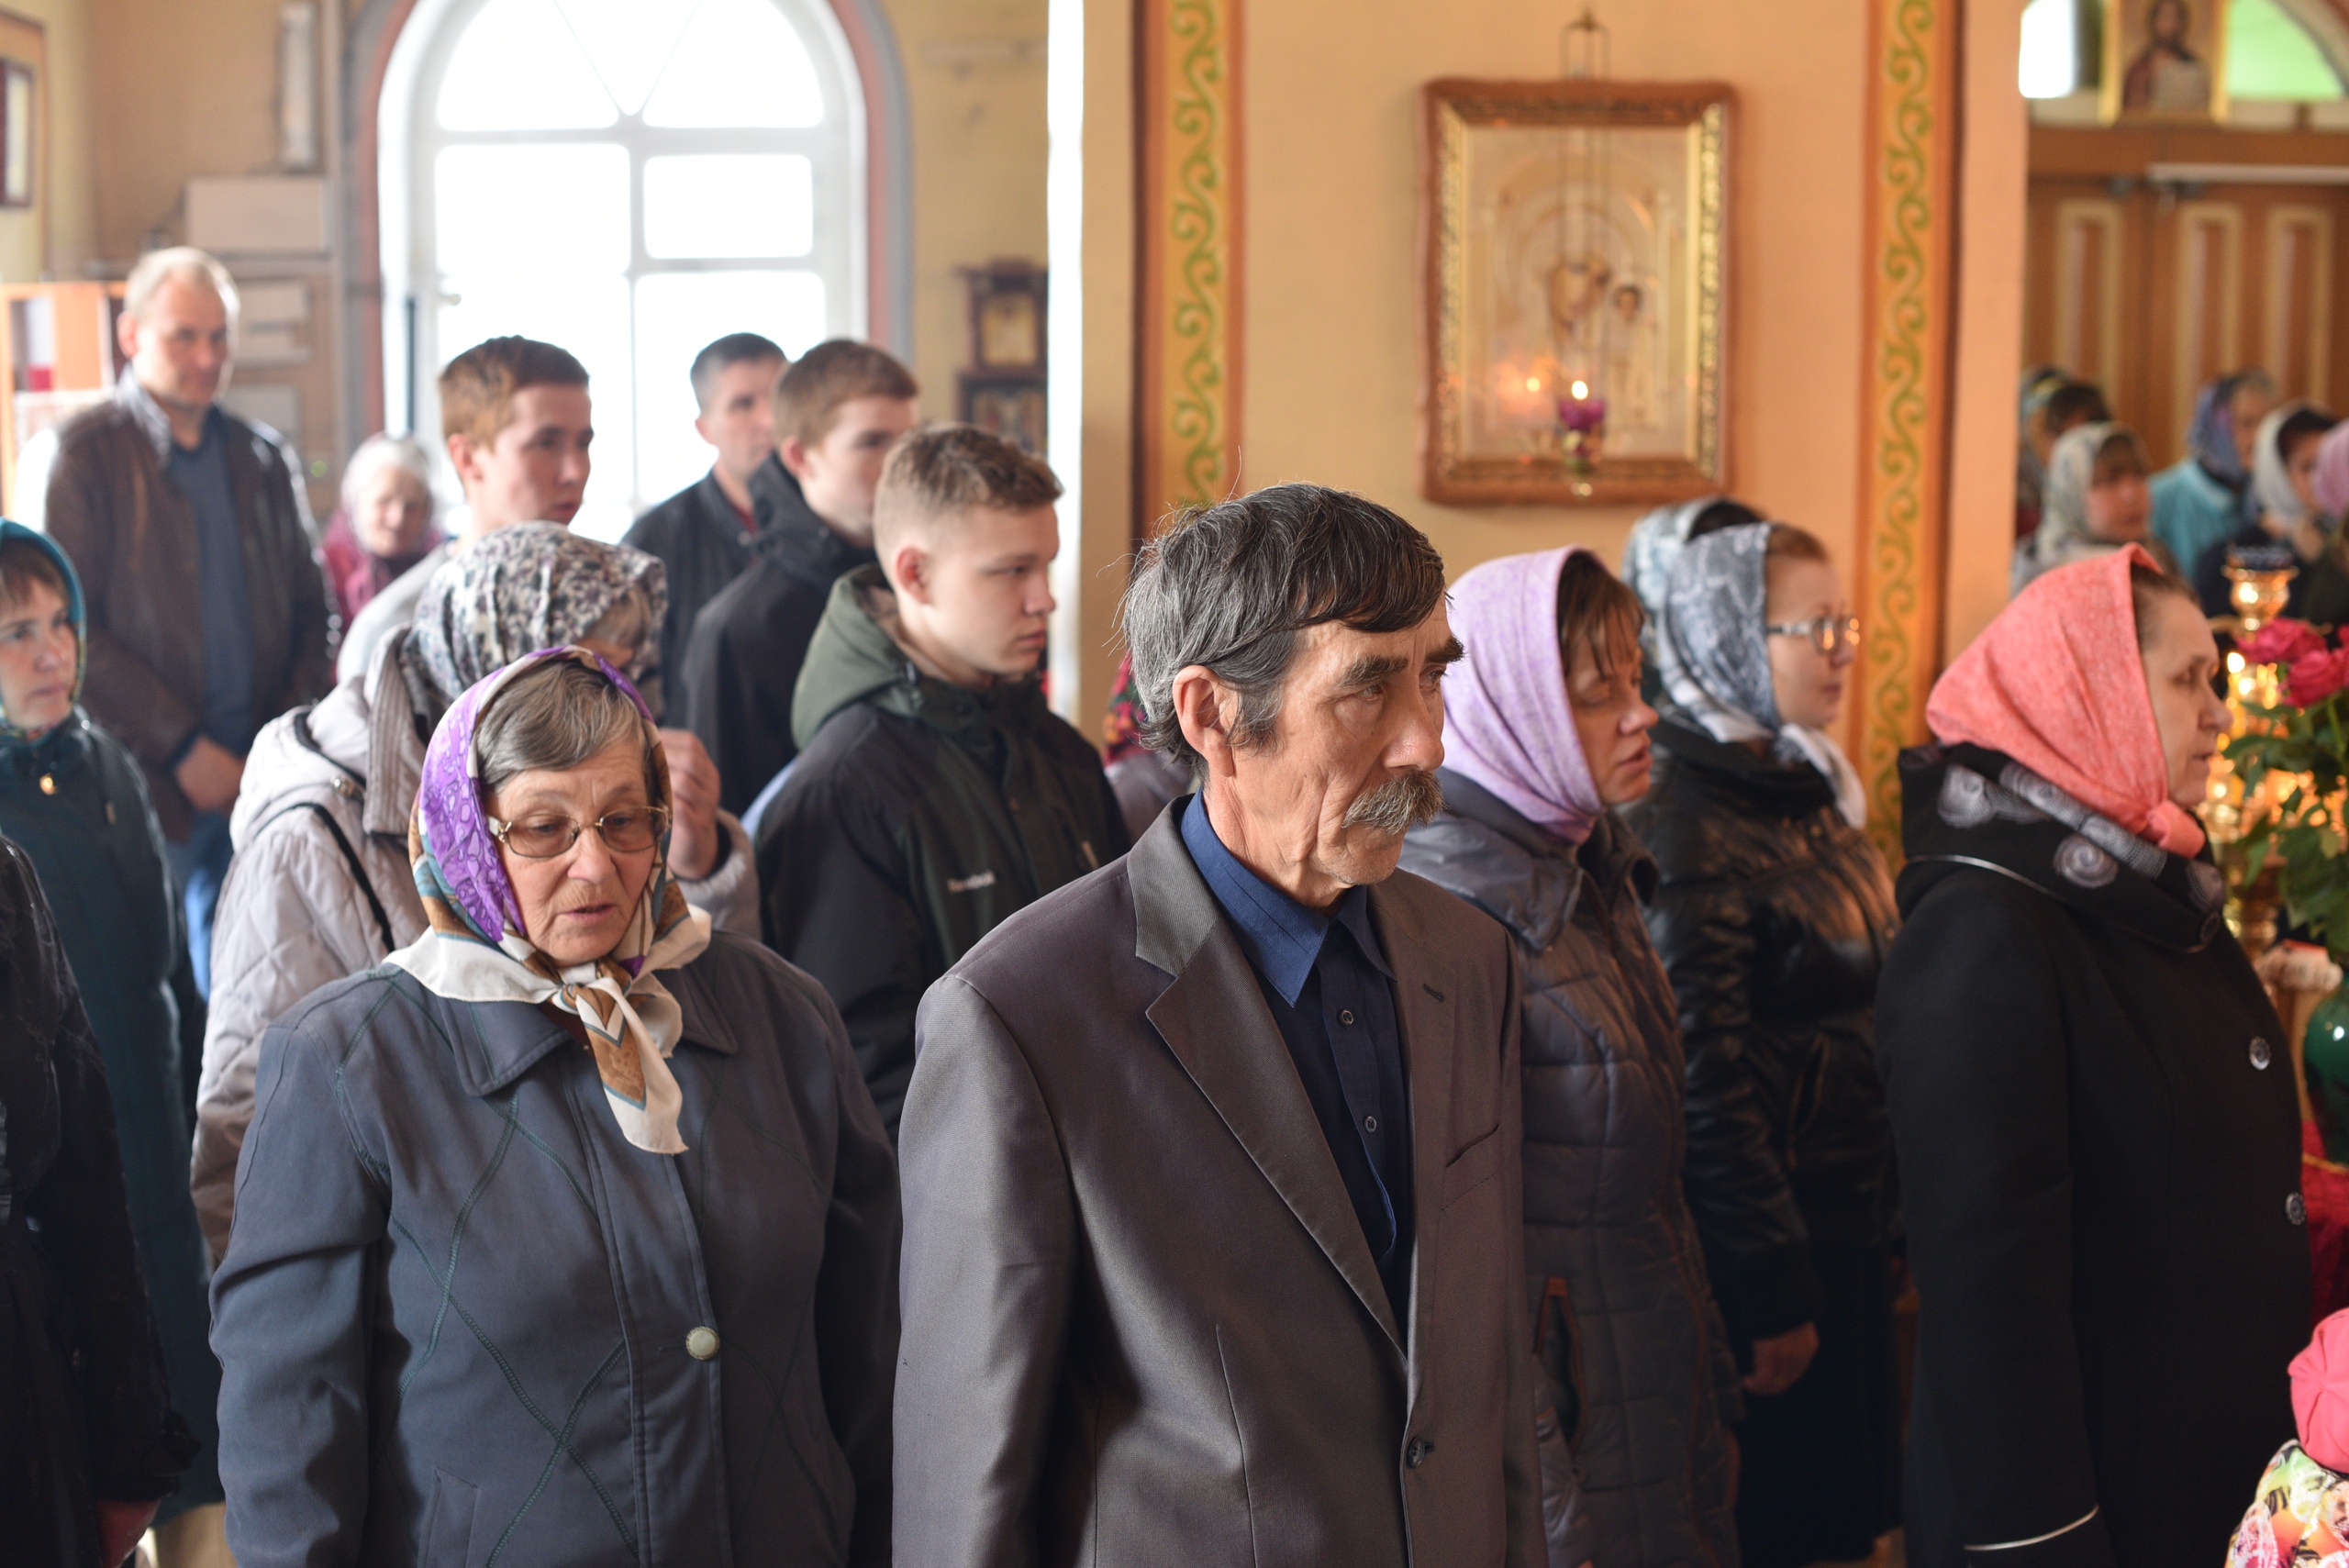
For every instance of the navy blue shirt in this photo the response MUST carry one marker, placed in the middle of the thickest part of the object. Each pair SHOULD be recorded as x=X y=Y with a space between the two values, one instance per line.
x=1334 y=996
x=200 y=476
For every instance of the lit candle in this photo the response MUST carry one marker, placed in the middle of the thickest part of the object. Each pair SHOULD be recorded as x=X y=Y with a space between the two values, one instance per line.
x=1580 y=411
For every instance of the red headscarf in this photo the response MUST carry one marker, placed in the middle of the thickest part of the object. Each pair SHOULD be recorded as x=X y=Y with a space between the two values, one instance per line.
x=2056 y=683
x=2320 y=1394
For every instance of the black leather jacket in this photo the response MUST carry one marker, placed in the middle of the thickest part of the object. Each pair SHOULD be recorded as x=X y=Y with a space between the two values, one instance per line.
x=1772 y=918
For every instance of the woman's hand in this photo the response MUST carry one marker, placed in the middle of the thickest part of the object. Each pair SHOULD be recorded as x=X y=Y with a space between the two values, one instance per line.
x=695 y=837
x=120 y=1526
x=1780 y=1361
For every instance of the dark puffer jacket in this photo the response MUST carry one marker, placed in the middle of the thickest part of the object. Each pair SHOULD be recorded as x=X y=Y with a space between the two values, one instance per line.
x=1772 y=918
x=1631 y=1346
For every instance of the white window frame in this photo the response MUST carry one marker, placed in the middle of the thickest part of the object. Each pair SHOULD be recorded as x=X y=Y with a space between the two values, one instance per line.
x=409 y=139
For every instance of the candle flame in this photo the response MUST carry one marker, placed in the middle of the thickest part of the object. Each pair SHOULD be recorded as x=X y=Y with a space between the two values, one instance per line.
x=1534 y=384
x=1581 y=389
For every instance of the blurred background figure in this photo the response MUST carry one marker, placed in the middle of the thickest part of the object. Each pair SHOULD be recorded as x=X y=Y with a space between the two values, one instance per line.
x=89 y=1442
x=703 y=533
x=1772 y=914
x=2097 y=501
x=2287 y=526
x=2054 y=408
x=2204 y=496
x=1544 y=732
x=1144 y=781
x=385 y=523
x=2039 y=383
x=71 y=798
x=184 y=672
x=1655 y=542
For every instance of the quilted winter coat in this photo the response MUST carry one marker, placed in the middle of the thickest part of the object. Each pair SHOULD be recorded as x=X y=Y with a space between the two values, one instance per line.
x=320 y=889
x=1630 y=1343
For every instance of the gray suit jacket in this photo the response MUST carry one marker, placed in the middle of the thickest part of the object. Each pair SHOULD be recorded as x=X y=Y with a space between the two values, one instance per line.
x=1142 y=1323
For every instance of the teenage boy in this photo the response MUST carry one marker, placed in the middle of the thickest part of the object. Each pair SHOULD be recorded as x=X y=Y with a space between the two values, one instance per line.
x=516 y=421
x=703 y=533
x=935 y=792
x=837 y=413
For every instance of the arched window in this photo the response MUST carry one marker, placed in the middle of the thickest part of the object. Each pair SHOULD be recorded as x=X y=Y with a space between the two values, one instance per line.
x=628 y=179
x=2272 y=54
x=2276 y=50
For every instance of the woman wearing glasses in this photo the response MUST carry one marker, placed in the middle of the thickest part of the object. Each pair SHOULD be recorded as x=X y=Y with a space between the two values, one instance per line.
x=1773 y=916
x=320 y=885
x=568 y=1234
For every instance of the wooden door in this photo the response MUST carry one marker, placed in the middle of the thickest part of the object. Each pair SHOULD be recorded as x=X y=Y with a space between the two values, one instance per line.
x=2151 y=288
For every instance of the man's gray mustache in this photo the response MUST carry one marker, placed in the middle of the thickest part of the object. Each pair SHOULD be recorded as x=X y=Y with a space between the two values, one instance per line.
x=1397 y=806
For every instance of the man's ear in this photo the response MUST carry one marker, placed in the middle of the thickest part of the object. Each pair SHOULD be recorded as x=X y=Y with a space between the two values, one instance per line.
x=464 y=458
x=909 y=572
x=701 y=426
x=793 y=452
x=126 y=334
x=1203 y=707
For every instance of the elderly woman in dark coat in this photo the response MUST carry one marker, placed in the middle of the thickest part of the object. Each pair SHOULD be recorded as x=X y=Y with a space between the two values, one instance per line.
x=2093 y=1099
x=570 y=1232
x=88 y=1439
x=1772 y=915
x=1544 y=730
x=72 y=797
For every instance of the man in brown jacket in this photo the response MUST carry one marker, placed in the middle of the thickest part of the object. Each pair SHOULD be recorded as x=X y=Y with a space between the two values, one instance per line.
x=208 y=612
x=1210 y=1160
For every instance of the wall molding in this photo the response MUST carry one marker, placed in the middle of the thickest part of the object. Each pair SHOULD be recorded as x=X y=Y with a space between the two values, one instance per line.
x=1908 y=384
x=1189 y=364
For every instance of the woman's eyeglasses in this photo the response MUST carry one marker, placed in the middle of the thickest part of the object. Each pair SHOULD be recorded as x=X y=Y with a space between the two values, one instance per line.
x=1829 y=634
x=544 y=838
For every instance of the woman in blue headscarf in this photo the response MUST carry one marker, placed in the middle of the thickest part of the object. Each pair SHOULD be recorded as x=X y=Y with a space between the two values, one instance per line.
x=2204 y=496
x=72 y=797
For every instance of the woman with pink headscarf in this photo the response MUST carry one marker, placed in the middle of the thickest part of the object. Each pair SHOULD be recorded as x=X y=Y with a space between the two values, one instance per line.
x=2091 y=1097
x=1544 y=730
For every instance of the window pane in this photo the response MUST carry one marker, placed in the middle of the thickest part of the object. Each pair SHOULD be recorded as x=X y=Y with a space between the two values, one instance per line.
x=2271 y=55
x=738 y=65
x=587 y=315
x=517 y=67
x=628 y=42
x=498 y=210
x=728 y=204
x=2049 y=66
x=678 y=313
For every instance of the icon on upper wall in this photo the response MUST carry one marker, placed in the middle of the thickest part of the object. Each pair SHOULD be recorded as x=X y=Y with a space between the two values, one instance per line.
x=1005 y=391
x=17 y=133
x=2166 y=59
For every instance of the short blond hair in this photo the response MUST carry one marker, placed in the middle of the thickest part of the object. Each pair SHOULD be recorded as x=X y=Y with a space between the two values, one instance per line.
x=184 y=261
x=940 y=473
x=810 y=394
x=477 y=387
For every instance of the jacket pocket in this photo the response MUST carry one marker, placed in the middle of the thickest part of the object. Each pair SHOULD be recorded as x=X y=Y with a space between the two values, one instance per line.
x=1470 y=1169
x=446 y=1541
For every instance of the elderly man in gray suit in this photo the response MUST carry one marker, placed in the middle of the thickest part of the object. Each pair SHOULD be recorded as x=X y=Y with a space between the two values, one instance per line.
x=1211 y=1158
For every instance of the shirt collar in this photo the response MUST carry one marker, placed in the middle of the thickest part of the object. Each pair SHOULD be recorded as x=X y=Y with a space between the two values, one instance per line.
x=1281 y=937
x=153 y=423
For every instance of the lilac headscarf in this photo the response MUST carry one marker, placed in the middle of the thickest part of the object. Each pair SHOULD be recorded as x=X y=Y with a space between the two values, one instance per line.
x=1506 y=723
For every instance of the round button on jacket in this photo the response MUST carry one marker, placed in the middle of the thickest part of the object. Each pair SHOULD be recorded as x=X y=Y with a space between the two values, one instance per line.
x=2295 y=1210
x=2261 y=1053
x=701 y=1343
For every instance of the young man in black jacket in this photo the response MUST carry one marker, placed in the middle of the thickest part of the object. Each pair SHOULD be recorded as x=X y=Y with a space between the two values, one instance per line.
x=837 y=413
x=703 y=533
x=935 y=792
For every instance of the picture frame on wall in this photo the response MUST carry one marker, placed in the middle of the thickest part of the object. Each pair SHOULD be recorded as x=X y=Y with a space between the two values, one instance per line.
x=2164 y=61
x=1007 y=316
x=1575 y=255
x=1011 y=406
x=17 y=133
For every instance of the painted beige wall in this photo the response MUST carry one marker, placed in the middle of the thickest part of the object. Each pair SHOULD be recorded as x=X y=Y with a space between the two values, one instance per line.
x=67 y=26
x=188 y=89
x=974 y=77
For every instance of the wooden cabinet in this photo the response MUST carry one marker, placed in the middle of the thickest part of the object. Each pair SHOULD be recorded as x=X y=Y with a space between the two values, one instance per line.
x=58 y=343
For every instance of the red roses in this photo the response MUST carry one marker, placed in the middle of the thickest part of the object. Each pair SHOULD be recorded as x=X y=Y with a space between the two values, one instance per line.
x=2282 y=642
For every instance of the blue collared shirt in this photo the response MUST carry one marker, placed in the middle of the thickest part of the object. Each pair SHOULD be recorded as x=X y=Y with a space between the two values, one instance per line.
x=1333 y=995
x=200 y=476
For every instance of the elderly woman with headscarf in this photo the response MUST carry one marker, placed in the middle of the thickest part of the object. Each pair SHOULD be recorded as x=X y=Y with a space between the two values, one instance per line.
x=1772 y=915
x=2287 y=528
x=320 y=887
x=568 y=1234
x=2205 y=495
x=385 y=522
x=1544 y=730
x=2096 y=501
x=2093 y=1099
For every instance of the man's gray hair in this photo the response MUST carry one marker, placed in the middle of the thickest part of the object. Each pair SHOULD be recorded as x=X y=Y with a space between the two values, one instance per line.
x=1228 y=587
x=177 y=261
x=553 y=718
x=403 y=453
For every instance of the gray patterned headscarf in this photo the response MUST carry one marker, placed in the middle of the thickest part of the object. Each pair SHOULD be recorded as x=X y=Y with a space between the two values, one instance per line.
x=1655 y=543
x=1715 y=656
x=520 y=589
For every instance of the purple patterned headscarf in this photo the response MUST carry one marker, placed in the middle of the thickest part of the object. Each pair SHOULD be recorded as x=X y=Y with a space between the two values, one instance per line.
x=1506 y=722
